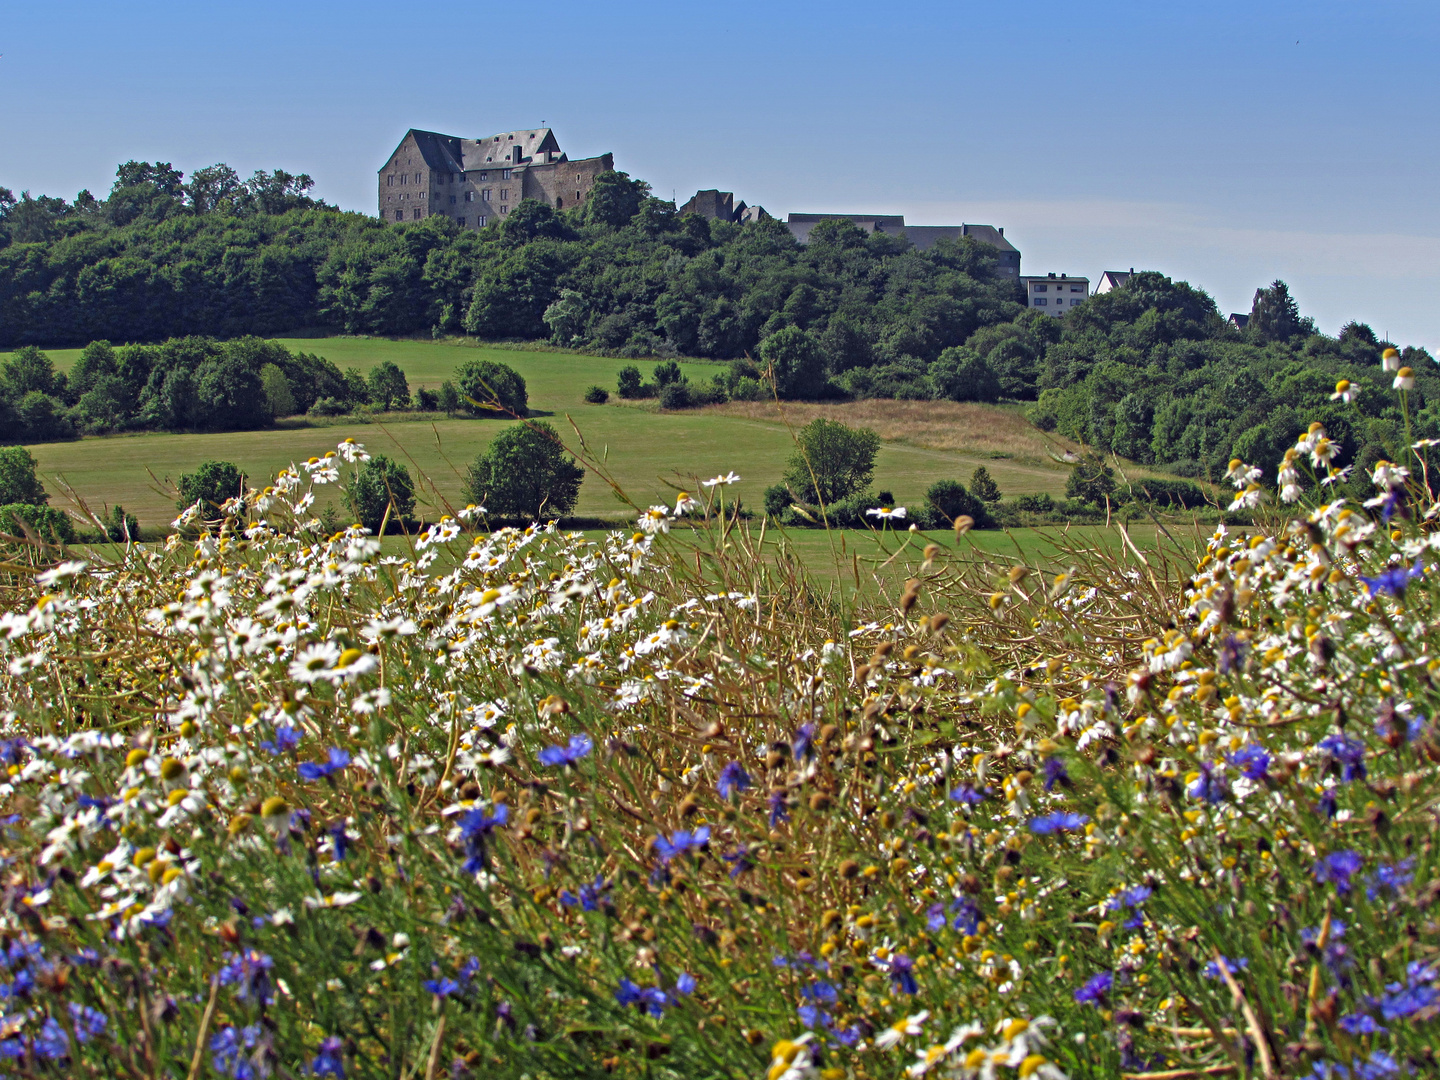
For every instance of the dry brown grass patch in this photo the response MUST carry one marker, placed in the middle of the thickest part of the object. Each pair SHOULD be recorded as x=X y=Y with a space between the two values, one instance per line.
x=938 y=425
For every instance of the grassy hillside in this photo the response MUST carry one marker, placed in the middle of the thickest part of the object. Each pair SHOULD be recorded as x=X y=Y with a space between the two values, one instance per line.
x=925 y=441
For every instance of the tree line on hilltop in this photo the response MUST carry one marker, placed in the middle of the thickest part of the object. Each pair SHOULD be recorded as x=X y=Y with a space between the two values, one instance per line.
x=1150 y=371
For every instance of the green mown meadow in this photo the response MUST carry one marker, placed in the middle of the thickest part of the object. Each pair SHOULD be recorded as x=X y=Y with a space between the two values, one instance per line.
x=648 y=452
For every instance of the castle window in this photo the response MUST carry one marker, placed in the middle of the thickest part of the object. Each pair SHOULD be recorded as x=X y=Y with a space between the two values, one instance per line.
x=485 y=195
x=484 y=176
x=577 y=196
x=399 y=215
x=452 y=200
x=559 y=203
x=403 y=178
x=1040 y=301
x=416 y=214
x=459 y=221
x=504 y=209
x=480 y=221
x=504 y=194
x=504 y=174
x=390 y=180
x=469 y=196
x=418 y=178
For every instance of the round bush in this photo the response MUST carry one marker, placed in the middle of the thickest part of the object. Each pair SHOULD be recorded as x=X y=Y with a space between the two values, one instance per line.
x=485 y=384
x=597 y=395
x=675 y=395
x=525 y=473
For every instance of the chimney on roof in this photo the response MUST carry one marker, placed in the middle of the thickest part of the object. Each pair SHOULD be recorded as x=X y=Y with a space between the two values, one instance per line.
x=1132 y=269
x=1001 y=230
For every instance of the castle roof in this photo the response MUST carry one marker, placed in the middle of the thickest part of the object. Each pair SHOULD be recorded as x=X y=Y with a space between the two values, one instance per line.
x=451 y=153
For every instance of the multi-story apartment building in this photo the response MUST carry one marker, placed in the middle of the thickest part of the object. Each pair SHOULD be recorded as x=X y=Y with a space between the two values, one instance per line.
x=478 y=181
x=1055 y=294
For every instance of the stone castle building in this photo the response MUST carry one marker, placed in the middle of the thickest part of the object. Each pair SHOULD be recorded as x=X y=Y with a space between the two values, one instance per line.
x=712 y=204
x=476 y=182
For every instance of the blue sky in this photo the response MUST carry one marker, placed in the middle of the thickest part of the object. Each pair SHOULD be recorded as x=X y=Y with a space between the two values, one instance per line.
x=1223 y=143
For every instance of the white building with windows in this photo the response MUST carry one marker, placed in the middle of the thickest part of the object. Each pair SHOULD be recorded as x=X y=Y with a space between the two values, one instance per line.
x=1055 y=294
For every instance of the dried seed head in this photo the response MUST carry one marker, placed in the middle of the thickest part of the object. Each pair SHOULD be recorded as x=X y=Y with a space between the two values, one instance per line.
x=963 y=524
x=938 y=622
x=849 y=869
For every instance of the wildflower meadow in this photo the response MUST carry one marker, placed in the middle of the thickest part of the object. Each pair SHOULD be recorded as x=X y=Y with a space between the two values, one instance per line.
x=519 y=803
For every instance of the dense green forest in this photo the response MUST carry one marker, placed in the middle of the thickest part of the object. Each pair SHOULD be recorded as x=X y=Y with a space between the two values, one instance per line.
x=1150 y=371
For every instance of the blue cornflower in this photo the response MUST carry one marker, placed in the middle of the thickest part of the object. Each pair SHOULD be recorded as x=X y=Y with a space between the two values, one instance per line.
x=52 y=1043
x=1392 y=581
x=441 y=988
x=1402 y=1003
x=335 y=760
x=88 y=1022
x=286 y=739
x=1095 y=989
x=577 y=748
x=227 y=1047
x=328 y=1062
x=682 y=842
x=1060 y=821
x=1389 y=879
x=967 y=915
x=779 y=811
x=1131 y=898
x=1135 y=896
x=468 y=970
x=1212 y=969
x=339 y=839
x=650 y=998
x=685 y=984
x=1337 y=868
x=804 y=745
x=1397 y=730
x=1053 y=769
x=733 y=778
x=902 y=973
x=1211 y=785
x=1361 y=1024
x=249 y=972
x=967 y=795
x=1251 y=760
x=821 y=992
x=812 y=1017
x=1350 y=753
x=935 y=917
x=739 y=861
x=476 y=827
x=589 y=896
